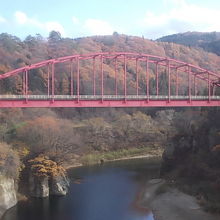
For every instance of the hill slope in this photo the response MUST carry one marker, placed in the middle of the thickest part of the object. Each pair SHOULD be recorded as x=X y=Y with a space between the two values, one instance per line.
x=209 y=41
x=15 y=53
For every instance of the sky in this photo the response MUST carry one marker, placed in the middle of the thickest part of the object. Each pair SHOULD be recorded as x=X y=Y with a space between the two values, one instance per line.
x=149 y=18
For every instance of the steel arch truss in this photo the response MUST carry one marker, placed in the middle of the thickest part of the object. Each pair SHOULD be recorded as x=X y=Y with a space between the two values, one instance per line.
x=152 y=65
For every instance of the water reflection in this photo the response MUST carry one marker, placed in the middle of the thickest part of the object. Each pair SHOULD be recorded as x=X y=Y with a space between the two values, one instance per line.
x=104 y=193
x=140 y=209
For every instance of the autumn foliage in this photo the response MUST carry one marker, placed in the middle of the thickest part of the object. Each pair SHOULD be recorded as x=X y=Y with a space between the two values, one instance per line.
x=9 y=161
x=15 y=53
x=42 y=166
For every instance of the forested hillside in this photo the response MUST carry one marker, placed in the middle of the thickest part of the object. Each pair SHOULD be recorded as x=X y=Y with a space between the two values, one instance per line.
x=15 y=53
x=209 y=41
x=70 y=136
x=46 y=130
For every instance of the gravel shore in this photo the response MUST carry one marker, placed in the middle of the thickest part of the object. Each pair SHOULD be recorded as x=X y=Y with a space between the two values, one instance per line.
x=173 y=204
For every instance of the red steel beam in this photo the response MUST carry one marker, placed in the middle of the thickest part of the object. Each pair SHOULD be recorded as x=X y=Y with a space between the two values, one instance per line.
x=116 y=86
x=26 y=84
x=147 y=80
x=52 y=74
x=105 y=103
x=23 y=82
x=78 y=80
x=102 y=78
x=94 y=75
x=157 y=80
x=209 y=87
x=129 y=56
x=137 y=78
x=48 y=79
x=71 y=77
x=168 y=69
x=189 y=83
x=177 y=82
x=125 y=77
x=170 y=64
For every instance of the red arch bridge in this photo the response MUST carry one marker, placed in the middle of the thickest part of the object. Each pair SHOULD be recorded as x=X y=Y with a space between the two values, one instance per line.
x=137 y=80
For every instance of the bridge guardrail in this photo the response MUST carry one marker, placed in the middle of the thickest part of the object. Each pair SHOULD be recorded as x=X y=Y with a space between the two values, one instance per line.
x=104 y=97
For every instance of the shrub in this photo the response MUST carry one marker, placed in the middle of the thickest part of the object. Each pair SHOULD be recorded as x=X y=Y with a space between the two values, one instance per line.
x=9 y=161
x=43 y=166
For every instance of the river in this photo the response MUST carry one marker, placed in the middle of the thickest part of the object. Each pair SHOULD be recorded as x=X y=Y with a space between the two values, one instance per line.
x=101 y=192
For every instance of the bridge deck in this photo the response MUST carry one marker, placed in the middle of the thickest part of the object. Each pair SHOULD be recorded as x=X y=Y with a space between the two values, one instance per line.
x=105 y=97
x=106 y=101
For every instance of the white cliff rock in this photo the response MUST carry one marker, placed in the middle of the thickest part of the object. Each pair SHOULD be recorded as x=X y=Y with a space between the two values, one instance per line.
x=8 y=196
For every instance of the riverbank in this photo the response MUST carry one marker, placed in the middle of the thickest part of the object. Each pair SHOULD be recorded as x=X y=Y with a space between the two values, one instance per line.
x=123 y=154
x=170 y=203
x=147 y=156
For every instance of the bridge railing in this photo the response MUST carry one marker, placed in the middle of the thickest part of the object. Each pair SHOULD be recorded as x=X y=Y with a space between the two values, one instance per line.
x=105 y=97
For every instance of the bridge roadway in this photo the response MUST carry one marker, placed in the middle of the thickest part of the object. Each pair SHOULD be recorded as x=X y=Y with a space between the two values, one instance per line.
x=106 y=101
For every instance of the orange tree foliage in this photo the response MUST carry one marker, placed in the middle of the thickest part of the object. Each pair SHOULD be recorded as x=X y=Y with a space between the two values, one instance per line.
x=42 y=166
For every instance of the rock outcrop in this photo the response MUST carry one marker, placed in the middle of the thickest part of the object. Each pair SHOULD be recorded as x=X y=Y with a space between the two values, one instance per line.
x=59 y=185
x=175 y=151
x=43 y=186
x=8 y=196
x=178 y=146
x=38 y=186
x=47 y=178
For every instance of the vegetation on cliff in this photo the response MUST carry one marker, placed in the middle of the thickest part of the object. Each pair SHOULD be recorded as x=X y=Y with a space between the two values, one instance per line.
x=9 y=161
x=193 y=157
x=41 y=166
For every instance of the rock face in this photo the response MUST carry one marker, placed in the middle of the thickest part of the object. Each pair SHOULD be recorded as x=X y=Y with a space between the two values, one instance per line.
x=47 y=177
x=38 y=186
x=176 y=151
x=42 y=187
x=59 y=185
x=178 y=146
x=8 y=196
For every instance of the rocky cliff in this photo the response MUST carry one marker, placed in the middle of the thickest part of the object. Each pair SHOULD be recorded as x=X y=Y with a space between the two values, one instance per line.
x=43 y=186
x=46 y=178
x=8 y=196
x=192 y=159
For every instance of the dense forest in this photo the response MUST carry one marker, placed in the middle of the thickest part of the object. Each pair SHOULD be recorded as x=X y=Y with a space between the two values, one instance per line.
x=15 y=53
x=209 y=41
x=70 y=136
